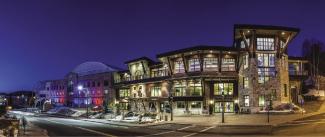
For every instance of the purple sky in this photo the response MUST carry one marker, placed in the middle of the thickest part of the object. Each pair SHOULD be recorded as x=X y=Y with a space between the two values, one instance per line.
x=46 y=39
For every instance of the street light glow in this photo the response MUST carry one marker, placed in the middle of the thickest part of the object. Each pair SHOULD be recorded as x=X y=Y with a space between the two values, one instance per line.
x=80 y=87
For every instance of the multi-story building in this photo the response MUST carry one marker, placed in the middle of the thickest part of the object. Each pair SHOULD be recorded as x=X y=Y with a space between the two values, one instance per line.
x=249 y=75
x=96 y=80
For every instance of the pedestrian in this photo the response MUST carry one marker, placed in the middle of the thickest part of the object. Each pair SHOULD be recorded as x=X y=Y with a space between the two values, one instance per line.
x=236 y=108
x=24 y=123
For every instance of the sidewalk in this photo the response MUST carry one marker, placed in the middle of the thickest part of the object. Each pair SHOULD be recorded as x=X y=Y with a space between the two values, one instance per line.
x=230 y=118
x=32 y=131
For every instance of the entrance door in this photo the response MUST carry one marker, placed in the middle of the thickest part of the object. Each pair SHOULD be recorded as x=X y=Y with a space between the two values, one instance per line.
x=229 y=107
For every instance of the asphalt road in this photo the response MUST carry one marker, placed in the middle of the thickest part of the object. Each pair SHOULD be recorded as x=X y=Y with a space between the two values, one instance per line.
x=311 y=126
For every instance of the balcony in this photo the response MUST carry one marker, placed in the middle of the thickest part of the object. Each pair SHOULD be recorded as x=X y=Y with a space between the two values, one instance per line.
x=298 y=73
x=142 y=77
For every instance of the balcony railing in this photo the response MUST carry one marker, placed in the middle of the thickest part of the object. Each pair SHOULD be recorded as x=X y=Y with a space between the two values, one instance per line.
x=141 y=77
x=298 y=73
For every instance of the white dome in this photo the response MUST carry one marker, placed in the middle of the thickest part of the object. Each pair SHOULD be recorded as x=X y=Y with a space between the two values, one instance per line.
x=92 y=68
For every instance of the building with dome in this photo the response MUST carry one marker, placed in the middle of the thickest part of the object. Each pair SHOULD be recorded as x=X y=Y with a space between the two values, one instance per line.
x=88 y=84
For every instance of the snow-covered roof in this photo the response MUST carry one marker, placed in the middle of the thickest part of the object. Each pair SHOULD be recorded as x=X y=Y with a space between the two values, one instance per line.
x=93 y=67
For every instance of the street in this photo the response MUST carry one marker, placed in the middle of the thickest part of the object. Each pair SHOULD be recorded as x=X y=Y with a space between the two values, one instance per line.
x=310 y=126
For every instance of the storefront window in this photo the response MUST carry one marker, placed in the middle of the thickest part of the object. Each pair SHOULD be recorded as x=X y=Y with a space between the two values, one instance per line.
x=194 y=64
x=246 y=101
x=210 y=64
x=226 y=88
x=156 y=91
x=229 y=107
x=196 y=104
x=180 y=104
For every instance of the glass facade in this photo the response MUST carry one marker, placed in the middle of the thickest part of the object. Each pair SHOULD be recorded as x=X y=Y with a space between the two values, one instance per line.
x=229 y=107
x=195 y=88
x=210 y=64
x=194 y=65
x=124 y=92
x=226 y=88
x=265 y=43
x=179 y=67
x=180 y=89
x=156 y=91
x=228 y=64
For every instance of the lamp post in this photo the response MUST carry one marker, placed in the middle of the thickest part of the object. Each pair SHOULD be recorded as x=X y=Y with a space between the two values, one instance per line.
x=81 y=88
x=223 y=107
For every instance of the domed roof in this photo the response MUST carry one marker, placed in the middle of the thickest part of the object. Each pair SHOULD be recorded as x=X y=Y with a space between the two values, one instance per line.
x=92 y=67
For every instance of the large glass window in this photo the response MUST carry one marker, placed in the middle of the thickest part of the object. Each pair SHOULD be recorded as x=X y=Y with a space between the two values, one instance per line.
x=261 y=100
x=156 y=91
x=194 y=64
x=195 y=88
x=159 y=72
x=266 y=60
x=210 y=64
x=124 y=92
x=180 y=104
x=180 y=89
x=228 y=64
x=229 y=107
x=265 y=74
x=265 y=43
x=226 y=88
x=196 y=104
x=246 y=101
x=179 y=67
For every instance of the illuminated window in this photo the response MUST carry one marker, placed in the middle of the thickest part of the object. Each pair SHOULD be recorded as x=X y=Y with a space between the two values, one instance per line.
x=246 y=101
x=265 y=43
x=180 y=89
x=261 y=100
x=179 y=67
x=156 y=91
x=210 y=64
x=245 y=82
x=266 y=60
x=228 y=64
x=196 y=104
x=195 y=88
x=229 y=107
x=124 y=92
x=285 y=90
x=226 y=88
x=265 y=74
x=194 y=64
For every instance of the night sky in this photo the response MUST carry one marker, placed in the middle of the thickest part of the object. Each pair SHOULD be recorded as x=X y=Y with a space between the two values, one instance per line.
x=46 y=39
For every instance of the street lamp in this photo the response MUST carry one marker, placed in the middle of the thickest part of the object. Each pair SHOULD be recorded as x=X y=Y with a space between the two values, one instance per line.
x=223 y=107
x=81 y=88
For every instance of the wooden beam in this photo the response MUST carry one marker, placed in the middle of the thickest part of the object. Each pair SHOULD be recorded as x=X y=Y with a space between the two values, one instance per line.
x=185 y=63
x=286 y=44
x=169 y=66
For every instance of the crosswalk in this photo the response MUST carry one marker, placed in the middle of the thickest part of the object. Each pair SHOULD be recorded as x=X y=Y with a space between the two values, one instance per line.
x=182 y=130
